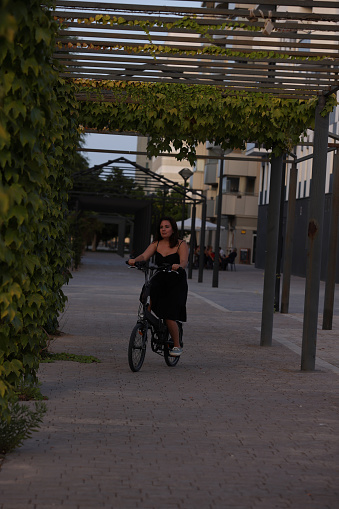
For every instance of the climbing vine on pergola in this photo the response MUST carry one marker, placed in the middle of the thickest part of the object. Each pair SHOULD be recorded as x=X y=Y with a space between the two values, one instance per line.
x=176 y=79
x=183 y=116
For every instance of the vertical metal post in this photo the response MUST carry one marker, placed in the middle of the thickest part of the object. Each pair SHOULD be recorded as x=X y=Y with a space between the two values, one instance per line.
x=131 y=239
x=332 y=252
x=271 y=251
x=183 y=213
x=288 y=253
x=215 y=279
x=192 y=242
x=121 y=237
x=315 y=230
x=280 y=241
x=185 y=173
x=202 y=241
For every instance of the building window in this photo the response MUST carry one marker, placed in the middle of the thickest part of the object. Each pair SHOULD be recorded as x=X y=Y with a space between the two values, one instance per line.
x=250 y=185
x=231 y=185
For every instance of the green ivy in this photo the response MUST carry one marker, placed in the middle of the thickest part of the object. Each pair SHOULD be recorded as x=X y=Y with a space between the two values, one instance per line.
x=182 y=116
x=38 y=137
x=185 y=23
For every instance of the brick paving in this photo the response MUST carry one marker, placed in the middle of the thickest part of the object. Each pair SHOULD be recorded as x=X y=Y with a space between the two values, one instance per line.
x=233 y=425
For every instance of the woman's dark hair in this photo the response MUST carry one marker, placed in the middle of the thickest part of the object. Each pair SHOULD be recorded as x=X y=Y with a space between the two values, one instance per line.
x=173 y=240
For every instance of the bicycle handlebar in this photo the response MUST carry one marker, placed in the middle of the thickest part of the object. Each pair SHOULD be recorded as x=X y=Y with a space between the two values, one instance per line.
x=166 y=267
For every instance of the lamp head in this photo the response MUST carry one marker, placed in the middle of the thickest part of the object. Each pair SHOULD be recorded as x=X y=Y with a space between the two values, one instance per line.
x=186 y=173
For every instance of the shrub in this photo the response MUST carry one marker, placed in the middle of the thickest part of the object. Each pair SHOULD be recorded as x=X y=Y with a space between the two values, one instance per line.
x=22 y=423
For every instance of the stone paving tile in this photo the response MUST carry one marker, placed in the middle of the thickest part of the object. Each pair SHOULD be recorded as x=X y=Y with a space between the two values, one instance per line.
x=232 y=426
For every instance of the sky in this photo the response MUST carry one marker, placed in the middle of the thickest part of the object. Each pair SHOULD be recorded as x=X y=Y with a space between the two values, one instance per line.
x=118 y=142
x=108 y=142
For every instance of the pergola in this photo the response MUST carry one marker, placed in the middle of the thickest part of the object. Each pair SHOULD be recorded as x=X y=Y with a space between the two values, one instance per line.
x=288 y=49
x=156 y=188
x=291 y=52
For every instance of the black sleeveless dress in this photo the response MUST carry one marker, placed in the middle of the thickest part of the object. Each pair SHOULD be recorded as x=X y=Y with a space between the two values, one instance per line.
x=169 y=290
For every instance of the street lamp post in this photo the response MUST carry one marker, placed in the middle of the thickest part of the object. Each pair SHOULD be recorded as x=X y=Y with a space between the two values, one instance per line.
x=185 y=173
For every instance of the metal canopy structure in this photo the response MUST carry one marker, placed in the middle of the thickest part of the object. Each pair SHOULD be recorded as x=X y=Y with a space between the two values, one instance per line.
x=152 y=184
x=154 y=187
x=286 y=48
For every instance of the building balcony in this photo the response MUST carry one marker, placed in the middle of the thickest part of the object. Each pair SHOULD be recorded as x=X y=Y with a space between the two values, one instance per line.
x=210 y=208
x=239 y=204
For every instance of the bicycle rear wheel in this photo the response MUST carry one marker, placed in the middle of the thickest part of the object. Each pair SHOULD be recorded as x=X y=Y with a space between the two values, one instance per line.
x=137 y=346
x=172 y=361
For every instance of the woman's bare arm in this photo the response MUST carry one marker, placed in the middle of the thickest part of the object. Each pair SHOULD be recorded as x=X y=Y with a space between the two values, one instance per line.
x=146 y=255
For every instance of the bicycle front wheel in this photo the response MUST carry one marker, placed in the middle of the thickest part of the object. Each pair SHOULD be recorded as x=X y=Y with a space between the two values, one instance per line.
x=137 y=347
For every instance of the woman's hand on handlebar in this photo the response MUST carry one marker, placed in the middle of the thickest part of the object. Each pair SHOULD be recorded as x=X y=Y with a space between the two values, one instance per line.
x=176 y=267
x=131 y=262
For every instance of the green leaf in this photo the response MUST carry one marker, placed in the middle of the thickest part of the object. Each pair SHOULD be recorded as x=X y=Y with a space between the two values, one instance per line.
x=43 y=34
x=36 y=299
x=27 y=136
x=8 y=312
x=26 y=310
x=37 y=117
x=8 y=79
x=14 y=366
x=4 y=136
x=15 y=108
x=12 y=236
x=3 y=388
x=30 y=262
x=14 y=290
x=30 y=63
x=19 y=212
x=5 y=157
x=16 y=193
x=4 y=203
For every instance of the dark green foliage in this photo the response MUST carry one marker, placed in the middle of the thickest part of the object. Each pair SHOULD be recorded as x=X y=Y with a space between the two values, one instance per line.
x=24 y=421
x=27 y=390
x=38 y=140
x=174 y=115
x=99 y=182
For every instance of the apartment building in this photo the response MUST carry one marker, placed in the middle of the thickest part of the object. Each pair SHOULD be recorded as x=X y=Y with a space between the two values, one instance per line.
x=240 y=187
x=304 y=184
x=302 y=153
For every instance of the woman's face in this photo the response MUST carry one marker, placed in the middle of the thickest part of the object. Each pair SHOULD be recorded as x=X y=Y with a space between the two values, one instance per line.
x=166 y=229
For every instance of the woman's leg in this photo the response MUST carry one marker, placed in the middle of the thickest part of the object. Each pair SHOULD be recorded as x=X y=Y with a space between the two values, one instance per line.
x=174 y=331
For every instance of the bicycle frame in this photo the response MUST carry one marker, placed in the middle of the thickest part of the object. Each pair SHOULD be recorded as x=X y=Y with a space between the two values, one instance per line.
x=158 y=327
x=161 y=342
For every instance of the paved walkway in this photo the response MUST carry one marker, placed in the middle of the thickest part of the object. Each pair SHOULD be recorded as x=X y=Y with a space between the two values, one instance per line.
x=234 y=425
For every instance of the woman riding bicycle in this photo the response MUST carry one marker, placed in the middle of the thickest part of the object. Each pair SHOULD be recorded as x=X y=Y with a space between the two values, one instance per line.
x=168 y=289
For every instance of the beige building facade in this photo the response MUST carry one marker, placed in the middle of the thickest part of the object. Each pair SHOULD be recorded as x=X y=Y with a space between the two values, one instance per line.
x=240 y=187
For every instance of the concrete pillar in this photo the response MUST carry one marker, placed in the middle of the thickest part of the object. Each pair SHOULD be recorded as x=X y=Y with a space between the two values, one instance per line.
x=271 y=251
x=215 y=279
x=192 y=243
x=332 y=251
x=315 y=230
x=288 y=252
x=202 y=241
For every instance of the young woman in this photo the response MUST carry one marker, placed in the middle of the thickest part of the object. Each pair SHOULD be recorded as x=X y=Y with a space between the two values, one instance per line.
x=168 y=290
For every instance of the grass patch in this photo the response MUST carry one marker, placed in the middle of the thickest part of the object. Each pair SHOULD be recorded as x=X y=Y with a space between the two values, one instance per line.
x=85 y=359
x=28 y=391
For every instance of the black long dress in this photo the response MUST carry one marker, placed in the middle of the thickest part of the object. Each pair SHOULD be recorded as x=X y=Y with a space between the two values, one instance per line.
x=169 y=290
